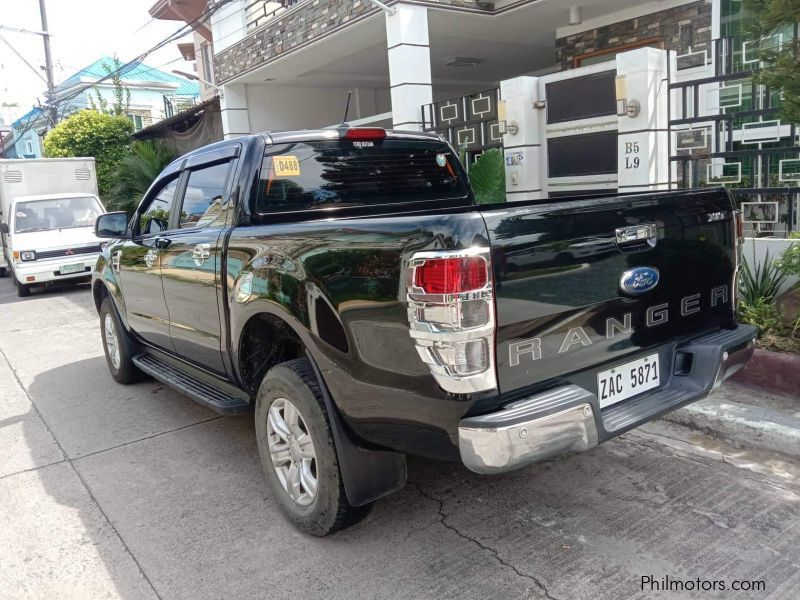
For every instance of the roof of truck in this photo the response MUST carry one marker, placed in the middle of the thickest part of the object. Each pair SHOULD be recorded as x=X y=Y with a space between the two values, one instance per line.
x=63 y=196
x=304 y=135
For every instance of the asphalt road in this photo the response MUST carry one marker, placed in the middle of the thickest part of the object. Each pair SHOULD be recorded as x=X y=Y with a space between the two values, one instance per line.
x=136 y=492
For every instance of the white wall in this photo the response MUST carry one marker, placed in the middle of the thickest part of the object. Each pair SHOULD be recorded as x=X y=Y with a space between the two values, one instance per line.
x=282 y=108
x=228 y=25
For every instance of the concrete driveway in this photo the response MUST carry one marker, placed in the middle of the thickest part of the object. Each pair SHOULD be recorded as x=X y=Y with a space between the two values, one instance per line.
x=136 y=492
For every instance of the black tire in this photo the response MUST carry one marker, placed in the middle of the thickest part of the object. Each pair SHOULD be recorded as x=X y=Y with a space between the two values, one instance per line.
x=23 y=290
x=122 y=369
x=3 y=272
x=329 y=511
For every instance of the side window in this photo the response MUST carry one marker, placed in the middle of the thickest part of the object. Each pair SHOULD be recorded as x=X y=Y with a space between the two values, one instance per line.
x=155 y=218
x=204 y=200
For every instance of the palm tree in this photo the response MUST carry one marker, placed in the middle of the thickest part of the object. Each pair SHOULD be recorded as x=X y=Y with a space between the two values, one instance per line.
x=137 y=171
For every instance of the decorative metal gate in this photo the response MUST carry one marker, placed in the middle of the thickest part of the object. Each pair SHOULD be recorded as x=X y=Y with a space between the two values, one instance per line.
x=469 y=123
x=726 y=130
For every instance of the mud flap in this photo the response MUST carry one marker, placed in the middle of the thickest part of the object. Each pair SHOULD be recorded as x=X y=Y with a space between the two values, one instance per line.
x=367 y=474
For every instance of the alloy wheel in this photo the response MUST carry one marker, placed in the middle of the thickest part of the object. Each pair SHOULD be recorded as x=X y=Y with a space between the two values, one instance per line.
x=112 y=343
x=292 y=451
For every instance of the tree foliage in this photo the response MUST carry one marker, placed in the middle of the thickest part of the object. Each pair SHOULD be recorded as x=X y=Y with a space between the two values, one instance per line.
x=781 y=69
x=107 y=138
x=137 y=171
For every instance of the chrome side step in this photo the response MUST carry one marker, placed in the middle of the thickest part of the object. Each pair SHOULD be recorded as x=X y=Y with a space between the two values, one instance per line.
x=204 y=393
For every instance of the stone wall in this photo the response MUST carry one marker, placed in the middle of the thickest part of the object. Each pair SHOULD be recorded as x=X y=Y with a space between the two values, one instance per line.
x=302 y=24
x=677 y=28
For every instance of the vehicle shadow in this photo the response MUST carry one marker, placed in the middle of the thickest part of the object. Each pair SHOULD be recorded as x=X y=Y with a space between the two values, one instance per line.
x=8 y=291
x=188 y=497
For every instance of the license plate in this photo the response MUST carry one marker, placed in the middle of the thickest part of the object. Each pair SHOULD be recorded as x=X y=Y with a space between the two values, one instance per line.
x=74 y=268
x=628 y=380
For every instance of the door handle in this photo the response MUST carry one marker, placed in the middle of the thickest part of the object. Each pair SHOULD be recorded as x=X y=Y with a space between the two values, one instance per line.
x=637 y=237
x=201 y=254
x=162 y=243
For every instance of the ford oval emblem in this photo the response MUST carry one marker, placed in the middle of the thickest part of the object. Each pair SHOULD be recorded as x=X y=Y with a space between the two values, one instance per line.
x=639 y=280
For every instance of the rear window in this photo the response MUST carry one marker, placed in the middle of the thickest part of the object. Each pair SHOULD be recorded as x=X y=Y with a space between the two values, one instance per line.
x=338 y=173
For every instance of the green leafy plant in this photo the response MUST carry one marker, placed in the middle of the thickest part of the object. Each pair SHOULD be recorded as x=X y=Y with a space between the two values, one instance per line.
x=789 y=262
x=136 y=171
x=763 y=315
x=107 y=138
x=487 y=176
x=761 y=283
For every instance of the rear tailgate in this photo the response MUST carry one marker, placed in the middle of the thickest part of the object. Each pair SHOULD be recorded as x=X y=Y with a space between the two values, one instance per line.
x=561 y=304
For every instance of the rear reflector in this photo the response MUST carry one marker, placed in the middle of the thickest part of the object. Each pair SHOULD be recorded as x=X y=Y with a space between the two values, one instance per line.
x=451 y=275
x=365 y=133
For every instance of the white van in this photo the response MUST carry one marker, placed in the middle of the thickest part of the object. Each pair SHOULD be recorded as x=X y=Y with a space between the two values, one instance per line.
x=48 y=208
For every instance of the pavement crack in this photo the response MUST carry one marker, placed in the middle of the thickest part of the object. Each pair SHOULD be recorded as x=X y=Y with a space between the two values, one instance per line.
x=443 y=516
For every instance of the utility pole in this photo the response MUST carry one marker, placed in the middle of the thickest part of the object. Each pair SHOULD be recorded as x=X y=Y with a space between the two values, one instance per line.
x=48 y=62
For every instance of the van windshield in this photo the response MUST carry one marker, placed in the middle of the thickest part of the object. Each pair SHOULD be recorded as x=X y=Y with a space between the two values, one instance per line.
x=57 y=213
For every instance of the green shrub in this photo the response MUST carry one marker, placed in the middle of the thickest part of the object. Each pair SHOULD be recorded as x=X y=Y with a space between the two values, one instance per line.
x=487 y=176
x=763 y=315
x=91 y=133
x=789 y=262
x=136 y=172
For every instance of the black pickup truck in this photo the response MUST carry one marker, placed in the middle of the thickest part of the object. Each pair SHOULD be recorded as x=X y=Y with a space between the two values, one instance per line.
x=344 y=286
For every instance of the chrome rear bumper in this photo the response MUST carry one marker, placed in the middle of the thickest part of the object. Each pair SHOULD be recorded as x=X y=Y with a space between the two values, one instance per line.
x=567 y=419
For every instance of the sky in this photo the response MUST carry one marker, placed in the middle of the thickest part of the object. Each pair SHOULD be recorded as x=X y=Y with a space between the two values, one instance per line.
x=82 y=31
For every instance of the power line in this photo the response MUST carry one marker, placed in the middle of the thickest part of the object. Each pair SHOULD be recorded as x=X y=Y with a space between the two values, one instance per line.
x=122 y=69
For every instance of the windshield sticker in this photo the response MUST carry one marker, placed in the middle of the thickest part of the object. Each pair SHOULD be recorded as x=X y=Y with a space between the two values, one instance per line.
x=441 y=160
x=286 y=166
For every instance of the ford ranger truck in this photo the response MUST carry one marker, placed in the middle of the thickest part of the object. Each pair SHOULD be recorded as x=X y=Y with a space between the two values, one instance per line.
x=344 y=287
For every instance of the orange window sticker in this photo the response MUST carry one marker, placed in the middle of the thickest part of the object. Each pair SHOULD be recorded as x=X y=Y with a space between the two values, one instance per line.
x=286 y=166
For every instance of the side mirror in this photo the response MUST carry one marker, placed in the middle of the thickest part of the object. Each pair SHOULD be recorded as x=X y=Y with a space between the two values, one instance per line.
x=4 y=228
x=112 y=225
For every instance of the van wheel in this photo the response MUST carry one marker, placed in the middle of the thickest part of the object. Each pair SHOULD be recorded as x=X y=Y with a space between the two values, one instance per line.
x=3 y=272
x=23 y=290
x=117 y=345
x=297 y=451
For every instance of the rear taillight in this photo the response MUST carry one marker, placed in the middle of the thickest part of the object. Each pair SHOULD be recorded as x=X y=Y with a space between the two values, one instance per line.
x=451 y=314
x=451 y=275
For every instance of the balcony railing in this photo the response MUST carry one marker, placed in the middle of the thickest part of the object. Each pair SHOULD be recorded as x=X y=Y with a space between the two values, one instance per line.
x=261 y=12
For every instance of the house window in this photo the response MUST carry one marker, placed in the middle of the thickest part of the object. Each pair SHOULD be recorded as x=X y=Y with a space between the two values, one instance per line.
x=137 y=122
x=28 y=147
x=598 y=56
x=207 y=60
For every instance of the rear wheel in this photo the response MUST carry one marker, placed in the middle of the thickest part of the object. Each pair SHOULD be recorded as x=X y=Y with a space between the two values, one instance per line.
x=297 y=451
x=3 y=272
x=117 y=345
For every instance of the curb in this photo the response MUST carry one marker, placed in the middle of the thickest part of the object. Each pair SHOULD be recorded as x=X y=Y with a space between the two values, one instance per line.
x=743 y=425
x=771 y=371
